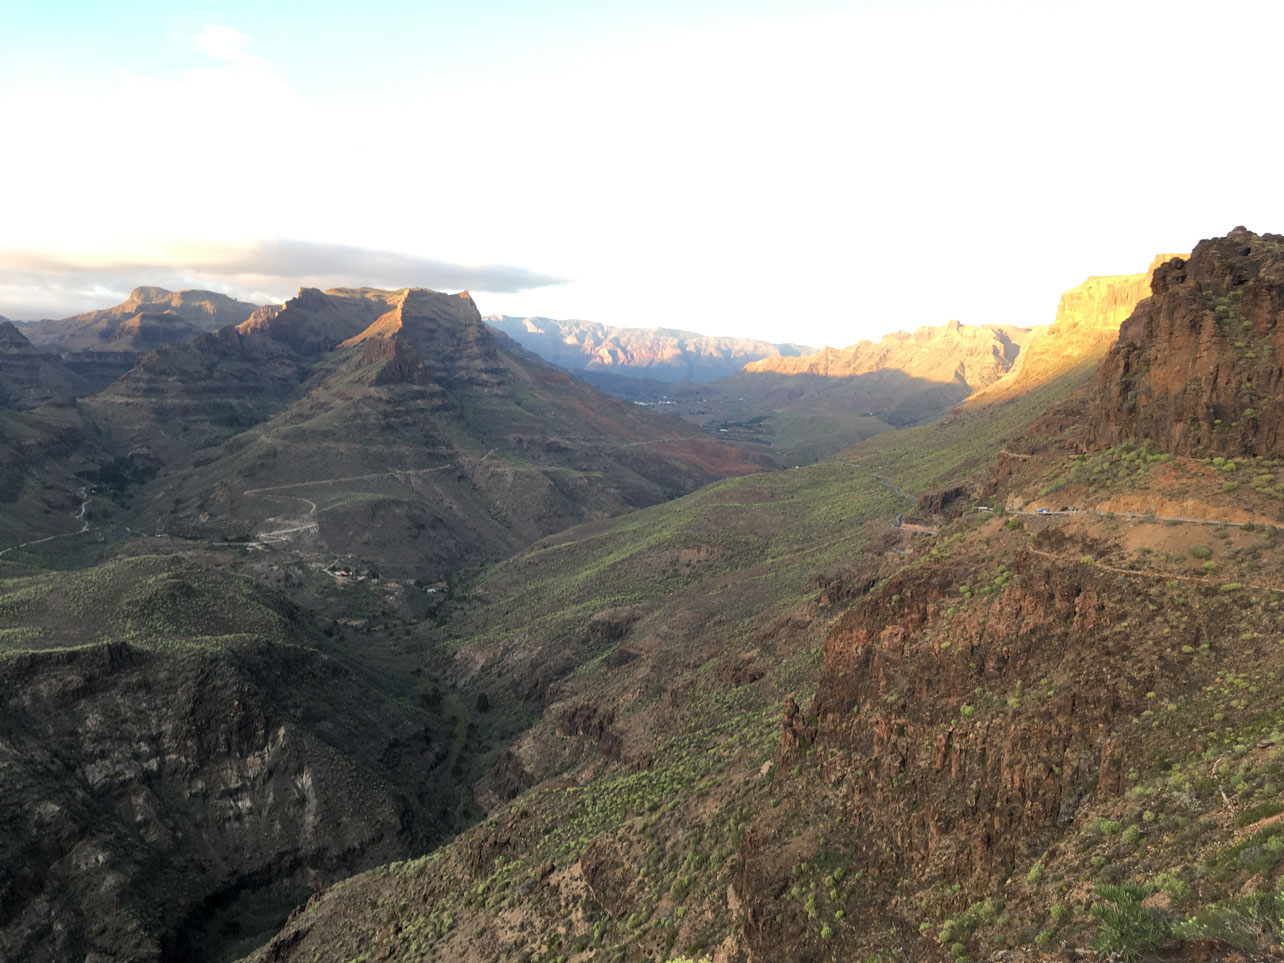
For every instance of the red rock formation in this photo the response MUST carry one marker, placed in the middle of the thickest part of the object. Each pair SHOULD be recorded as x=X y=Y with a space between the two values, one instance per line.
x=1196 y=368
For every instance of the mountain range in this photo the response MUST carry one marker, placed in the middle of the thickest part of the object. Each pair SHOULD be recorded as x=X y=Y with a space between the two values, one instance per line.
x=355 y=630
x=1023 y=728
x=661 y=354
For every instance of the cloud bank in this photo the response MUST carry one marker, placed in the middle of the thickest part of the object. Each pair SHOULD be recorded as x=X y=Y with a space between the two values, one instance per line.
x=36 y=284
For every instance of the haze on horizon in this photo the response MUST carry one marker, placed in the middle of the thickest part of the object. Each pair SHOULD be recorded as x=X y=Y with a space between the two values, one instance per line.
x=815 y=173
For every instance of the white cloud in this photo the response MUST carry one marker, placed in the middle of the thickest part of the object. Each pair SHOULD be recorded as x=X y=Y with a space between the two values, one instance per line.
x=809 y=178
x=224 y=43
x=43 y=284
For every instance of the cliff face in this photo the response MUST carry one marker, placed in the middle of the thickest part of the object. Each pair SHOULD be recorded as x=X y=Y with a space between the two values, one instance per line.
x=1196 y=368
x=1085 y=327
x=154 y=784
x=956 y=737
x=974 y=356
x=433 y=338
x=663 y=354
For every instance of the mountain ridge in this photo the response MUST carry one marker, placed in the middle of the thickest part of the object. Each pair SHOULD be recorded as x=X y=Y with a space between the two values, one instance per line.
x=952 y=351
x=666 y=354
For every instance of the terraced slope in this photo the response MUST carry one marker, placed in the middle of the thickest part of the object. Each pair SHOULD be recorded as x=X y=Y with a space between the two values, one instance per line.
x=28 y=376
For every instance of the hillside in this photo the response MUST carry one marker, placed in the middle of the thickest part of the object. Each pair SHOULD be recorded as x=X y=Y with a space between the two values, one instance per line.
x=657 y=650
x=147 y=319
x=971 y=355
x=662 y=354
x=99 y=346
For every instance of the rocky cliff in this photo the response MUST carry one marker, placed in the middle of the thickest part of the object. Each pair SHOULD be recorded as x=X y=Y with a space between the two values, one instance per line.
x=1085 y=327
x=979 y=717
x=1197 y=366
x=664 y=354
x=184 y=759
x=972 y=355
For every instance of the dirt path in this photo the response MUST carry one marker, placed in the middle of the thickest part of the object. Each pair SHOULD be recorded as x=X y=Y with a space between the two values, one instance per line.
x=1201 y=579
x=79 y=515
x=395 y=472
x=308 y=522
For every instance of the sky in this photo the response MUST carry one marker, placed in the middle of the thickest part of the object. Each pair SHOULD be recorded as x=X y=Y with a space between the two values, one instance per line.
x=811 y=171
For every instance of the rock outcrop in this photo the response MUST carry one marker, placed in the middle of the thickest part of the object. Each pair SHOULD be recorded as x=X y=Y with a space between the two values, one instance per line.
x=1197 y=366
x=152 y=791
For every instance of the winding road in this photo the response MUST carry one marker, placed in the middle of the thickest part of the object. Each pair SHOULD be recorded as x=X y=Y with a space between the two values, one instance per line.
x=79 y=515
x=1048 y=513
x=310 y=524
x=900 y=519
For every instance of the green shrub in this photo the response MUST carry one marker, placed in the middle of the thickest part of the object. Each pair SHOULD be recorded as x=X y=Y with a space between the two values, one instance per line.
x=1173 y=885
x=1126 y=929
x=1251 y=923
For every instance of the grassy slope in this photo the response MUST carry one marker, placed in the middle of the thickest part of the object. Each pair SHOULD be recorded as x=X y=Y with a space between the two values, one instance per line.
x=648 y=746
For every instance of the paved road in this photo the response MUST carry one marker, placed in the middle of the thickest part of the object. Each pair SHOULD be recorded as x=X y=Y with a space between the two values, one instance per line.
x=900 y=519
x=1134 y=516
x=887 y=482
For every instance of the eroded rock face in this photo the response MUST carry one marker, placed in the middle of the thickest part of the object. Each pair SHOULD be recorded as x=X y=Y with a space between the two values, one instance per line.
x=143 y=793
x=949 y=736
x=1085 y=327
x=1196 y=368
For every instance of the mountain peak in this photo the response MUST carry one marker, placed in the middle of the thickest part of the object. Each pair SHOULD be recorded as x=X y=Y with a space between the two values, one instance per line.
x=413 y=311
x=147 y=294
